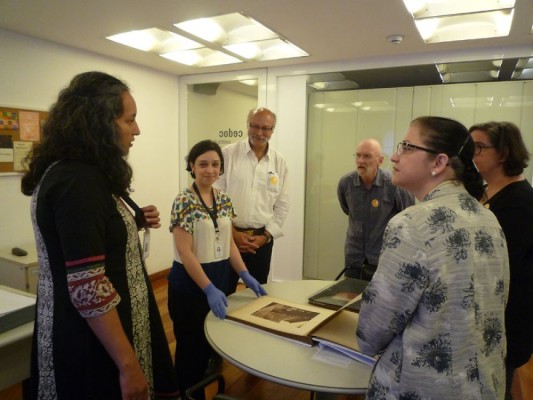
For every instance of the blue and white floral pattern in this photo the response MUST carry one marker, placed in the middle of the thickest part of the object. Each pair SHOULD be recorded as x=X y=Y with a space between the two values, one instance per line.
x=434 y=310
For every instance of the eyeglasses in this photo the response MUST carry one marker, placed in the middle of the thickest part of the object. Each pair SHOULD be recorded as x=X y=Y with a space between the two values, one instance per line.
x=479 y=147
x=256 y=127
x=405 y=146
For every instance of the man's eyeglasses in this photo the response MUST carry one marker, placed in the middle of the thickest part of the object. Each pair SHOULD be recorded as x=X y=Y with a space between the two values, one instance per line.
x=256 y=127
x=479 y=147
x=405 y=146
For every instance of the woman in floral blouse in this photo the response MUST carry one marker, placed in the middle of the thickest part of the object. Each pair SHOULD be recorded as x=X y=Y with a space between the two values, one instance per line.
x=434 y=310
x=201 y=223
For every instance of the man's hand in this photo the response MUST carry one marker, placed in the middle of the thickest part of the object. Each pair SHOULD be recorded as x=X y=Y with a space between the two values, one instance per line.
x=247 y=243
x=152 y=216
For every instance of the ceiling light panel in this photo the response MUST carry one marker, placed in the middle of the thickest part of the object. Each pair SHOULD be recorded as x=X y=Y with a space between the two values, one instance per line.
x=473 y=76
x=224 y=39
x=203 y=57
x=155 y=40
x=465 y=27
x=469 y=66
x=243 y=36
x=227 y=29
x=437 y=8
x=452 y=20
x=274 y=49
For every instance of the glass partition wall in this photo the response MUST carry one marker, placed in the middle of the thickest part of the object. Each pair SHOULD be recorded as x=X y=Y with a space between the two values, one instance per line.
x=339 y=120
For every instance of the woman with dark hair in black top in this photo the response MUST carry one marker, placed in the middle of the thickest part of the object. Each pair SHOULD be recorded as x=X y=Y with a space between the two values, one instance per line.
x=501 y=156
x=98 y=333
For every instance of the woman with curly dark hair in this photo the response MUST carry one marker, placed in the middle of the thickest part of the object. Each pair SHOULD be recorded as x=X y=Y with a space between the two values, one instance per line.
x=434 y=310
x=98 y=333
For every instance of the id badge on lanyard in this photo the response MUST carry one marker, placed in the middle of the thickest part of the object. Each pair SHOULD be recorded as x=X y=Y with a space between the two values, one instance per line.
x=218 y=246
x=146 y=243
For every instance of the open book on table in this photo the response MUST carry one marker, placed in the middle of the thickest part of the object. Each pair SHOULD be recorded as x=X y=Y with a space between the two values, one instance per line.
x=304 y=323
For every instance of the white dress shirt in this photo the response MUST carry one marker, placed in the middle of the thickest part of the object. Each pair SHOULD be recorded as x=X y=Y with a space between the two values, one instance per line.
x=257 y=188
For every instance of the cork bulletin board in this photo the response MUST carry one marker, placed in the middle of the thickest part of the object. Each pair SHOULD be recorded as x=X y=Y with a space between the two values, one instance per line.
x=20 y=130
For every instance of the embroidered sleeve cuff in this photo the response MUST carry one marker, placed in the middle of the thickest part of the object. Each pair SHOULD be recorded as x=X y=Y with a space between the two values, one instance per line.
x=91 y=292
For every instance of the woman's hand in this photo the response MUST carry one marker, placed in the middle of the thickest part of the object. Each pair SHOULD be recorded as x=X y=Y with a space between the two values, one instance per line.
x=217 y=300
x=108 y=329
x=151 y=214
x=133 y=383
x=252 y=283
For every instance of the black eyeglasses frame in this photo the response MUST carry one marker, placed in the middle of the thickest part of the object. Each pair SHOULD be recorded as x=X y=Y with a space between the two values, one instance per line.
x=403 y=145
x=479 y=147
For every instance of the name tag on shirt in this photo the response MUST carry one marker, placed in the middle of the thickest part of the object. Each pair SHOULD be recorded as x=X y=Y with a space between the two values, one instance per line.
x=273 y=181
x=218 y=248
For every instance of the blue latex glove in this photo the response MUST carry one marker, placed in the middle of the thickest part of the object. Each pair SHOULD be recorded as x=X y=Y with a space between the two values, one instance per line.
x=252 y=283
x=217 y=300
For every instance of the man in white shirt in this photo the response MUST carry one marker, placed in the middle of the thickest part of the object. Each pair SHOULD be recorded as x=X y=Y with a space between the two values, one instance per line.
x=255 y=177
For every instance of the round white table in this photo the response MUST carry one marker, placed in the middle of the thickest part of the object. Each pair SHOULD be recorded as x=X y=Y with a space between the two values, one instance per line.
x=280 y=360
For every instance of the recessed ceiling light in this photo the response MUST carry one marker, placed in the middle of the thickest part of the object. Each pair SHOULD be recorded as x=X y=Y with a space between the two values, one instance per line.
x=227 y=29
x=453 y=20
x=224 y=39
x=273 y=49
x=438 y=8
x=154 y=39
x=465 y=27
x=201 y=57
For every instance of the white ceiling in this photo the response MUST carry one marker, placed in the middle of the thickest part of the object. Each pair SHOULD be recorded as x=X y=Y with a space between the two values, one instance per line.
x=329 y=30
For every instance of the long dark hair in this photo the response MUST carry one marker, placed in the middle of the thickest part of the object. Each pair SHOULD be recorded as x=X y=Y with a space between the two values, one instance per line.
x=507 y=139
x=450 y=137
x=81 y=127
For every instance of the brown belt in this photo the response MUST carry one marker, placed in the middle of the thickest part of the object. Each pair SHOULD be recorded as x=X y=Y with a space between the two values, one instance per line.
x=251 y=231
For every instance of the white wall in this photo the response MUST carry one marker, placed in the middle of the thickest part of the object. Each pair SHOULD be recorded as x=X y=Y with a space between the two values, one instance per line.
x=33 y=71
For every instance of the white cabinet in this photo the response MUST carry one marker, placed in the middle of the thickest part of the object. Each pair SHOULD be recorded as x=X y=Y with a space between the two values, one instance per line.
x=19 y=272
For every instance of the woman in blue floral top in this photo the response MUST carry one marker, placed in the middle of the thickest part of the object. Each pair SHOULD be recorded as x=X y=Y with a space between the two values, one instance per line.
x=434 y=311
x=201 y=223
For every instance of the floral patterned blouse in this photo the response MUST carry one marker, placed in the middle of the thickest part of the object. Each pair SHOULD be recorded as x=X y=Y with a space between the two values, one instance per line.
x=434 y=310
x=189 y=214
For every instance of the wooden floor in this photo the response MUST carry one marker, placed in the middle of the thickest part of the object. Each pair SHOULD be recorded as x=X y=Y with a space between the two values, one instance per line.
x=239 y=384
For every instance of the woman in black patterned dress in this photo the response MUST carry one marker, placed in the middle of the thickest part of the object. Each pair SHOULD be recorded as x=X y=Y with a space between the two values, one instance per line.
x=98 y=333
